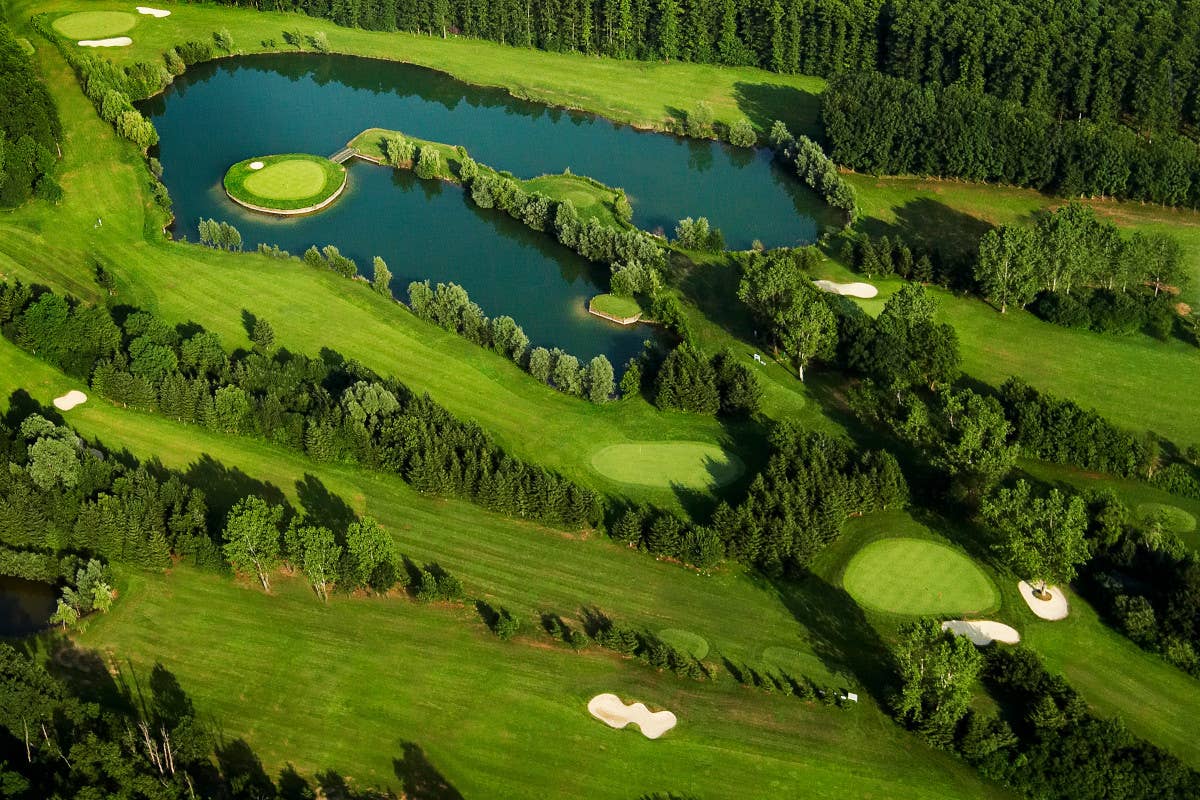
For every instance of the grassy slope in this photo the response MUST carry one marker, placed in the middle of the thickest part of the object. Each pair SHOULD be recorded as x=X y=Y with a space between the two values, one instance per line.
x=646 y=94
x=495 y=717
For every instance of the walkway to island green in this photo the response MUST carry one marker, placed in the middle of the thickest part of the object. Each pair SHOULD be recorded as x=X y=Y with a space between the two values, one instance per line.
x=916 y=576
x=292 y=183
x=691 y=465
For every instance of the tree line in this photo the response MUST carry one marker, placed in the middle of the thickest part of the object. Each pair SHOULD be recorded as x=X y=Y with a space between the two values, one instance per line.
x=1105 y=62
x=1042 y=740
x=888 y=125
x=448 y=306
x=816 y=169
x=333 y=409
x=29 y=128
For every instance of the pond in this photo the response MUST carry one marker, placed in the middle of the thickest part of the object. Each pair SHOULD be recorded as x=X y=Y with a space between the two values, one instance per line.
x=25 y=606
x=225 y=111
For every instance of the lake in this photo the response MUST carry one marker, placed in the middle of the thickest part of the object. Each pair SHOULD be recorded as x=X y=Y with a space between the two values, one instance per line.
x=228 y=110
x=25 y=606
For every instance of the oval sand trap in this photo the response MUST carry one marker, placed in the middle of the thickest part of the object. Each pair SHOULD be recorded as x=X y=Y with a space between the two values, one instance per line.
x=982 y=631
x=257 y=165
x=70 y=400
x=863 y=290
x=153 y=12
x=917 y=576
x=1053 y=609
x=692 y=465
x=116 y=41
x=609 y=709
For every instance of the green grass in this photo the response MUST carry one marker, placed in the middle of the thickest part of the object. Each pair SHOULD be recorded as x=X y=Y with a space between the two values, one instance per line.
x=1174 y=518
x=915 y=576
x=615 y=306
x=693 y=644
x=95 y=24
x=343 y=686
x=285 y=182
x=689 y=465
x=644 y=94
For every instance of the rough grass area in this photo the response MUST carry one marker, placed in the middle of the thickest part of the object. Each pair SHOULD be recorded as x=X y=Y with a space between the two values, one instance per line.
x=915 y=576
x=95 y=24
x=689 y=465
x=615 y=306
x=286 y=182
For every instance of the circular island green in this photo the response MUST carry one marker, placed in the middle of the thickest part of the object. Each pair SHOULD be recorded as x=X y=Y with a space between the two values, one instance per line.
x=917 y=576
x=692 y=465
x=288 y=184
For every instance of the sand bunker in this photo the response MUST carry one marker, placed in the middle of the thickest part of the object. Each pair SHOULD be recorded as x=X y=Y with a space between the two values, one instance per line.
x=982 y=631
x=116 y=41
x=257 y=165
x=154 y=12
x=609 y=709
x=864 y=290
x=1054 y=608
x=70 y=400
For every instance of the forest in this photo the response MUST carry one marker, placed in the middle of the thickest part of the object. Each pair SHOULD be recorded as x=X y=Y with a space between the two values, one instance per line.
x=29 y=128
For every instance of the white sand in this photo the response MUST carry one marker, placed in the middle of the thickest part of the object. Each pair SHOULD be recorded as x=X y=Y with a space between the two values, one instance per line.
x=154 y=12
x=1054 y=608
x=70 y=400
x=609 y=709
x=116 y=41
x=982 y=631
x=864 y=290
x=257 y=165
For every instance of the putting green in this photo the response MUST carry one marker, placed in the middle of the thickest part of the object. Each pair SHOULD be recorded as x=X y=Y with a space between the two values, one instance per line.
x=615 y=306
x=917 y=576
x=692 y=465
x=292 y=183
x=693 y=644
x=1174 y=519
x=94 y=24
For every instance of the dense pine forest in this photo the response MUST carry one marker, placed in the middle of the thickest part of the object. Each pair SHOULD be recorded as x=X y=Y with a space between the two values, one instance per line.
x=29 y=128
x=1101 y=60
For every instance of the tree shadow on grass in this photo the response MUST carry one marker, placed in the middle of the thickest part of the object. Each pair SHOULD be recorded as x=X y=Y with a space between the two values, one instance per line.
x=840 y=634
x=419 y=778
x=763 y=103
x=323 y=507
x=224 y=486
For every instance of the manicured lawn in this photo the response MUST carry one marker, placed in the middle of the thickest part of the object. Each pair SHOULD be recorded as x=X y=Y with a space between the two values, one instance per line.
x=344 y=686
x=615 y=306
x=915 y=576
x=646 y=94
x=285 y=182
x=95 y=24
x=690 y=465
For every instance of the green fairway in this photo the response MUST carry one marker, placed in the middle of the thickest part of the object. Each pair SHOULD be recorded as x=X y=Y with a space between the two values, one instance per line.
x=95 y=24
x=497 y=719
x=285 y=182
x=691 y=465
x=615 y=306
x=916 y=576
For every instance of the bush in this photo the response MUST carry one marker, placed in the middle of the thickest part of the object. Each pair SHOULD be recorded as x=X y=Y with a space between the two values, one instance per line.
x=699 y=121
x=429 y=163
x=741 y=134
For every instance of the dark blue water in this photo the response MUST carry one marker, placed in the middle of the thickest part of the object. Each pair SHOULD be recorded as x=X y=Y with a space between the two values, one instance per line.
x=25 y=606
x=229 y=110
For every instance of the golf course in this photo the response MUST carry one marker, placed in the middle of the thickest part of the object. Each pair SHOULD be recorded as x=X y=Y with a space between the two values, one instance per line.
x=431 y=404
